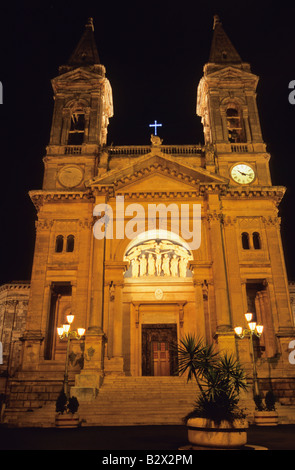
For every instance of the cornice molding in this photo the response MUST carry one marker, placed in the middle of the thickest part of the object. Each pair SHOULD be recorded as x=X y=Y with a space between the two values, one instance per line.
x=40 y=197
x=275 y=193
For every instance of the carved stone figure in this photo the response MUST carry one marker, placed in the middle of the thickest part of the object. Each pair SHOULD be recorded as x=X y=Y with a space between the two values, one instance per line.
x=143 y=265
x=158 y=261
x=182 y=267
x=156 y=140
x=135 y=267
x=174 y=266
x=151 y=265
x=152 y=257
x=166 y=265
x=158 y=254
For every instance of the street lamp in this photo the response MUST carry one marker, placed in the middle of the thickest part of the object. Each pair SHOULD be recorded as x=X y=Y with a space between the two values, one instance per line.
x=66 y=332
x=253 y=329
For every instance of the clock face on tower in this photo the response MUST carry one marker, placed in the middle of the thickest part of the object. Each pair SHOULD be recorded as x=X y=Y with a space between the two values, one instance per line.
x=70 y=176
x=242 y=173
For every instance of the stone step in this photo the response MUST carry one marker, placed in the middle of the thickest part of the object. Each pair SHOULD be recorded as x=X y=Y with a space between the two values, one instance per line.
x=151 y=395
x=140 y=401
x=127 y=401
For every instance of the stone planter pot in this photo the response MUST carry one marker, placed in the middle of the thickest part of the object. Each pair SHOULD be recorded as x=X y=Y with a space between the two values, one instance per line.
x=67 y=420
x=266 y=418
x=204 y=433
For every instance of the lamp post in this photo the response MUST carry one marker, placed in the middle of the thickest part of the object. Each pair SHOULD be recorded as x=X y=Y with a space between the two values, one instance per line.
x=253 y=329
x=66 y=332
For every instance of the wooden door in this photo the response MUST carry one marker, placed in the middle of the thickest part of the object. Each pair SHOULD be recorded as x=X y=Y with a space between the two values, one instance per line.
x=160 y=358
x=158 y=355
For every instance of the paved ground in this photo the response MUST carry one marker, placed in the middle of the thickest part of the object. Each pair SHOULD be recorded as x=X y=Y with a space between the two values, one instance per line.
x=151 y=438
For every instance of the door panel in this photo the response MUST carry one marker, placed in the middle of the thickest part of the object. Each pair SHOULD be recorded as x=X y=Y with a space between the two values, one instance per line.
x=158 y=357
x=161 y=358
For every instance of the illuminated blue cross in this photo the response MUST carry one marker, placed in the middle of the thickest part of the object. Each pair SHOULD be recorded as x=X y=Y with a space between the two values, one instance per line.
x=155 y=125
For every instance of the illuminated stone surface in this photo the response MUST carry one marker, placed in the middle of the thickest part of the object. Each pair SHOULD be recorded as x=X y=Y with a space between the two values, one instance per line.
x=117 y=289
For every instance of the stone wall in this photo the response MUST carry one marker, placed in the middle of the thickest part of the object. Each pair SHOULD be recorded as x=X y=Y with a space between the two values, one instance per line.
x=14 y=299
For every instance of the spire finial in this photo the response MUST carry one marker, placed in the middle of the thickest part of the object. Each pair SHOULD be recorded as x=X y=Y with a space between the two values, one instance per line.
x=222 y=50
x=90 y=24
x=85 y=53
x=216 y=21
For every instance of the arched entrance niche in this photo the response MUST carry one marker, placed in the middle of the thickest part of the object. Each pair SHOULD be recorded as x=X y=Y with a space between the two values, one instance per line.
x=158 y=253
x=158 y=298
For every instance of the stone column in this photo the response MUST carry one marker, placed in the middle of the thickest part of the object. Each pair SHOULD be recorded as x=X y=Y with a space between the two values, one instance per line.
x=224 y=124
x=266 y=319
x=246 y=124
x=118 y=313
x=226 y=338
x=215 y=116
x=253 y=117
x=66 y=122
x=90 y=379
x=280 y=281
x=199 y=324
x=219 y=272
x=236 y=304
x=33 y=338
x=114 y=365
x=115 y=274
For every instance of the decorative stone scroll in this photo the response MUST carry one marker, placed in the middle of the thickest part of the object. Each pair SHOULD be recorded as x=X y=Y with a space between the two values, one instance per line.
x=158 y=258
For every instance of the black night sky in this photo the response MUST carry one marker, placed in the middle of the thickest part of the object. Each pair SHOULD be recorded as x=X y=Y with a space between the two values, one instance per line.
x=154 y=53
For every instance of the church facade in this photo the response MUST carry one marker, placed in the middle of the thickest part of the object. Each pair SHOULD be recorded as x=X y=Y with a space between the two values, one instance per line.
x=145 y=244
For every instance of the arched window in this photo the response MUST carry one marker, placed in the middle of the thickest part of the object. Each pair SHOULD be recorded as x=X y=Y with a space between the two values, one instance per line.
x=59 y=244
x=70 y=243
x=77 y=129
x=256 y=240
x=234 y=125
x=245 y=241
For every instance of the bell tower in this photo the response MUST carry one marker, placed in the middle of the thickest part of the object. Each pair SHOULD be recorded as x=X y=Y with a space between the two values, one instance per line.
x=226 y=103
x=82 y=108
x=62 y=278
x=247 y=213
x=227 y=94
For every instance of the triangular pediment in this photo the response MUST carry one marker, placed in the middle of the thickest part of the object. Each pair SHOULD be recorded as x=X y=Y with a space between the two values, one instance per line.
x=157 y=173
x=232 y=73
x=154 y=181
x=79 y=76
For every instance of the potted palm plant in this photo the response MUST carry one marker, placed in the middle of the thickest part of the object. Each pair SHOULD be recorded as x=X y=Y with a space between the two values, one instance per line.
x=266 y=414
x=216 y=420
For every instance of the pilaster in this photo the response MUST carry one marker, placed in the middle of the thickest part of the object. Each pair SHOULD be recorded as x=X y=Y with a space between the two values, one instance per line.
x=114 y=365
x=88 y=382
x=224 y=331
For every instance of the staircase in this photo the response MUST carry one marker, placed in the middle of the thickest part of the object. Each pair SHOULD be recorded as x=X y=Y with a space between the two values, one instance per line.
x=122 y=401
x=134 y=401
x=130 y=401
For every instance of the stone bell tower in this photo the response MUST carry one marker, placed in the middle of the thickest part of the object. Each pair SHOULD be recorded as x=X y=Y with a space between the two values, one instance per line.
x=248 y=212
x=82 y=108
x=61 y=274
x=227 y=95
x=226 y=103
